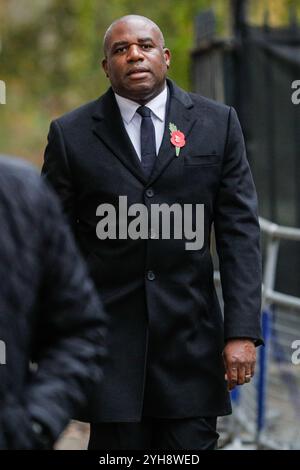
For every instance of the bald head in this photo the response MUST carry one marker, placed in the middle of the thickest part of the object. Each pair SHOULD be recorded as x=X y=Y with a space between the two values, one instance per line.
x=136 y=61
x=136 y=19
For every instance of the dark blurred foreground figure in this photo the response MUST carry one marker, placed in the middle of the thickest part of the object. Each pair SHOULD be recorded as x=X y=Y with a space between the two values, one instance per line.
x=49 y=315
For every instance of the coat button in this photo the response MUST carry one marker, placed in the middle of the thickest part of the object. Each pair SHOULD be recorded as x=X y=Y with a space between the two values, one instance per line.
x=149 y=192
x=150 y=276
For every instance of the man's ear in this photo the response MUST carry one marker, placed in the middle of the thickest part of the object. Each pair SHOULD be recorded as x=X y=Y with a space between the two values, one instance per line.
x=105 y=68
x=167 y=55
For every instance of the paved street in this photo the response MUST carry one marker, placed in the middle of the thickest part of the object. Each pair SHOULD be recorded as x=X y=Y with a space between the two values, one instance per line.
x=75 y=437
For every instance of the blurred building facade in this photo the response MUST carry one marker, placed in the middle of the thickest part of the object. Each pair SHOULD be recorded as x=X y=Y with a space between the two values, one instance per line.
x=254 y=71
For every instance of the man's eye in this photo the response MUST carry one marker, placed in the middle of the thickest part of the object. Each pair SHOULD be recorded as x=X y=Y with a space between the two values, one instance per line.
x=146 y=46
x=119 y=50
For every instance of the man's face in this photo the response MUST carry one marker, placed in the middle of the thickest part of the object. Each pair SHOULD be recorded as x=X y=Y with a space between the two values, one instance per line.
x=136 y=62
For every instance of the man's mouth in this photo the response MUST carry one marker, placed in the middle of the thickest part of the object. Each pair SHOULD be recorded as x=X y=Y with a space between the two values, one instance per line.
x=138 y=72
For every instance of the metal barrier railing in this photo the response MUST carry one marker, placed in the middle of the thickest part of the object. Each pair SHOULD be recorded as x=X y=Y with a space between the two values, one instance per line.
x=268 y=409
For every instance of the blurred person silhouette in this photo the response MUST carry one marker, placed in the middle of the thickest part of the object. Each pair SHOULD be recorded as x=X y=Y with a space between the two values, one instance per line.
x=52 y=324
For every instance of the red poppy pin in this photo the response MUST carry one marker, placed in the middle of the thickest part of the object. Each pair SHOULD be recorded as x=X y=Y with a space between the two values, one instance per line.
x=177 y=138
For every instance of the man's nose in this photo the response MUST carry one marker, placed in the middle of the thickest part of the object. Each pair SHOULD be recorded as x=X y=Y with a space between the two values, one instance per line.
x=134 y=53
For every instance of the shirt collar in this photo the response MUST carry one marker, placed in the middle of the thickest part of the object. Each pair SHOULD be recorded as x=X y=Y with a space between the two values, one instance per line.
x=157 y=105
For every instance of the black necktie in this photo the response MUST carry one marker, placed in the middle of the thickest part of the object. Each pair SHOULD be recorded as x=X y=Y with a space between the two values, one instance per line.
x=148 y=145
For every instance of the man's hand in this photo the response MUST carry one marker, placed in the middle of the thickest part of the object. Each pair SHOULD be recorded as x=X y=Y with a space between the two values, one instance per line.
x=239 y=358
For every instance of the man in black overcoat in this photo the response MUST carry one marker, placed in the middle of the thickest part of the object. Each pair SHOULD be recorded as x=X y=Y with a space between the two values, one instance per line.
x=145 y=143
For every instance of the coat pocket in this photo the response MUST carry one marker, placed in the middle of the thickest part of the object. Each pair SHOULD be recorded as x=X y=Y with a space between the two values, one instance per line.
x=203 y=160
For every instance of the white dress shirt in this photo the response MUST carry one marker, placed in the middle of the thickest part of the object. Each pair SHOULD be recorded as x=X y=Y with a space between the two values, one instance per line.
x=132 y=120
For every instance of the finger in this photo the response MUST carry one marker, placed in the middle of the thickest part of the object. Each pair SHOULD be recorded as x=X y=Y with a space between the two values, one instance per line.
x=252 y=369
x=232 y=377
x=226 y=368
x=241 y=374
x=248 y=373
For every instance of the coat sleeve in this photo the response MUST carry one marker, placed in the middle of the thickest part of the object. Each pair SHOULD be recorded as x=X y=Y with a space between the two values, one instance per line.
x=70 y=332
x=238 y=239
x=57 y=172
